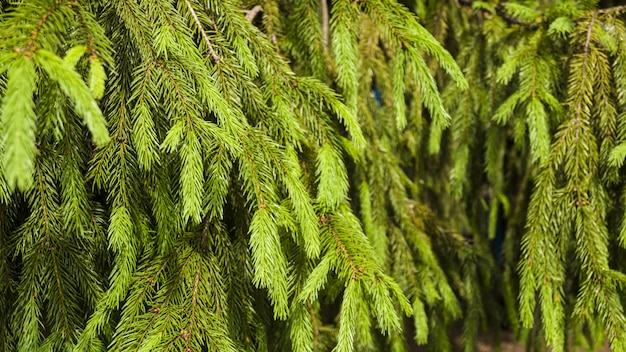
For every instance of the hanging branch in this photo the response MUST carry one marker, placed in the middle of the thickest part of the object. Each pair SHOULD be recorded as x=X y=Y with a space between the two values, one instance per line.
x=500 y=11
x=40 y=24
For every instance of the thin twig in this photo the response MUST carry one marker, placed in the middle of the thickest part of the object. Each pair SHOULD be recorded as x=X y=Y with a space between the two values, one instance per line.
x=203 y=33
x=612 y=9
x=500 y=10
x=324 y=10
x=251 y=14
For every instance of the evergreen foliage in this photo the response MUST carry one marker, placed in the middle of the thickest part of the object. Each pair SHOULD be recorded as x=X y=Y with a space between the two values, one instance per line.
x=311 y=175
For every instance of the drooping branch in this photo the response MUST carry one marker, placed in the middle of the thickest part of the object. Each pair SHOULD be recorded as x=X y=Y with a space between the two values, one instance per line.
x=40 y=24
x=500 y=10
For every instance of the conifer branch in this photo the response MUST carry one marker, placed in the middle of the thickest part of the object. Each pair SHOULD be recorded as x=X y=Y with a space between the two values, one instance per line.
x=257 y=185
x=42 y=21
x=90 y=43
x=316 y=326
x=207 y=41
x=586 y=49
x=500 y=9
x=175 y=83
x=144 y=37
x=44 y=203
x=243 y=169
x=356 y=272
x=62 y=299
x=165 y=15
x=194 y=299
x=580 y=100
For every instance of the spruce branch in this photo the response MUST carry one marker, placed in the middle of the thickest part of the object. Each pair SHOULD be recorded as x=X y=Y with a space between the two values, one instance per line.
x=207 y=41
x=30 y=46
x=256 y=179
x=316 y=325
x=175 y=83
x=90 y=41
x=501 y=11
x=580 y=101
x=356 y=272
x=211 y=123
x=62 y=298
x=136 y=25
x=194 y=299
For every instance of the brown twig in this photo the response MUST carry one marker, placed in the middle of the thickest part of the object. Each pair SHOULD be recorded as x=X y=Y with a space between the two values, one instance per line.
x=325 y=20
x=253 y=12
x=612 y=9
x=202 y=32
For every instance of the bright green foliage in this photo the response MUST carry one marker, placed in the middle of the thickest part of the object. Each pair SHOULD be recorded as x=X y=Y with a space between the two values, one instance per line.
x=311 y=175
x=539 y=139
